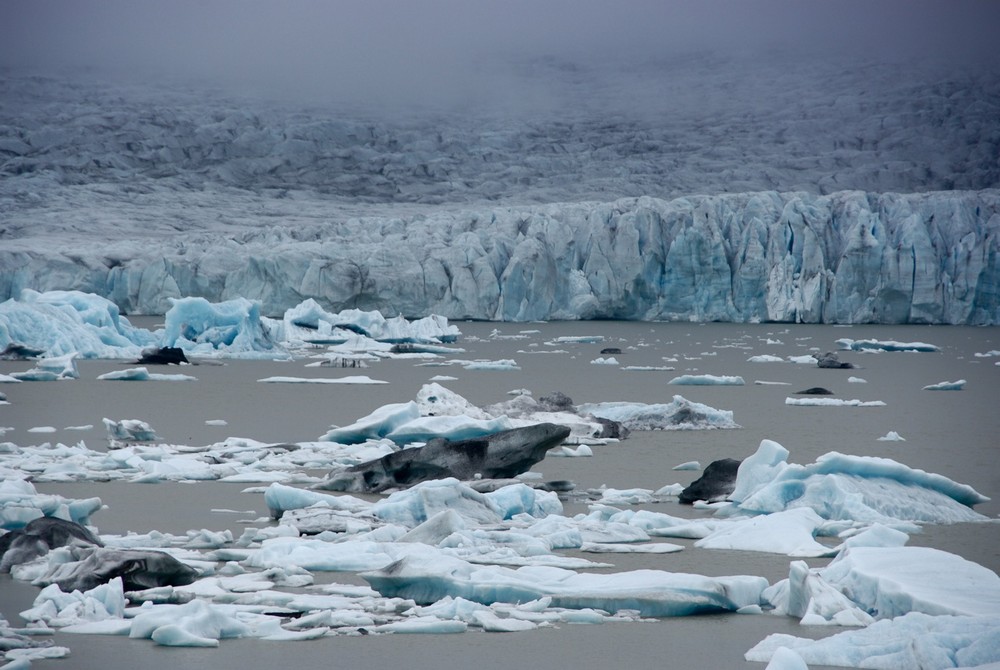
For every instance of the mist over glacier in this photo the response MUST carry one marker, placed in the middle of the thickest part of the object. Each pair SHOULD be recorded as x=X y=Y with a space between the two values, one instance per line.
x=779 y=163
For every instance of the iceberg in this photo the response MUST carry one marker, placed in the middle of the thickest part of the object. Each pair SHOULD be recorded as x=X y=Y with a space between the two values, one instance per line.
x=679 y=414
x=866 y=583
x=143 y=374
x=833 y=402
x=350 y=379
x=914 y=640
x=946 y=386
x=837 y=486
x=427 y=579
x=788 y=532
x=884 y=345
x=50 y=369
x=61 y=324
x=707 y=380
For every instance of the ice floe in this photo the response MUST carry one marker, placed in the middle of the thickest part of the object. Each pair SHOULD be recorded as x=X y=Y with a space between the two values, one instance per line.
x=142 y=374
x=884 y=345
x=352 y=379
x=946 y=386
x=833 y=402
x=707 y=380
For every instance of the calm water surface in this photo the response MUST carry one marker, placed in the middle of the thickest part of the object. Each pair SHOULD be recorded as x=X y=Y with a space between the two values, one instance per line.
x=951 y=433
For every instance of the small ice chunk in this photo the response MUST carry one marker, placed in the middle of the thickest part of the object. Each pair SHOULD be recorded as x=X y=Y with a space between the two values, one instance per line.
x=610 y=360
x=946 y=386
x=707 y=380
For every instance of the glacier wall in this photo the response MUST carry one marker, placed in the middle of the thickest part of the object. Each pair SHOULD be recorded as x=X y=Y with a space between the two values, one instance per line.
x=846 y=257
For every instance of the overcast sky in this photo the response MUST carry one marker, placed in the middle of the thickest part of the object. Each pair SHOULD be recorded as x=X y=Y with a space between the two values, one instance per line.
x=413 y=46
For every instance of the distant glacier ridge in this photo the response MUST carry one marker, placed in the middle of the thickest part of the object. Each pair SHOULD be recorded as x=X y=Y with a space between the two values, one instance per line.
x=845 y=257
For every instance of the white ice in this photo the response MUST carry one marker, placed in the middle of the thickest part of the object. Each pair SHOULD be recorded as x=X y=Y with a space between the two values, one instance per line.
x=351 y=379
x=54 y=368
x=678 y=414
x=860 y=488
x=707 y=380
x=68 y=323
x=946 y=386
x=833 y=402
x=914 y=640
x=884 y=345
x=765 y=358
x=143 y=374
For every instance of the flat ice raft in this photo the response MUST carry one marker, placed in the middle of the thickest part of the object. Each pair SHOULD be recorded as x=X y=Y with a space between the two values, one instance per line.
x=649 y=592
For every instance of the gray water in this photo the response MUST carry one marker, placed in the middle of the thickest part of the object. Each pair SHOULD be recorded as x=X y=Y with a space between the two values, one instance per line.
x=950 y=433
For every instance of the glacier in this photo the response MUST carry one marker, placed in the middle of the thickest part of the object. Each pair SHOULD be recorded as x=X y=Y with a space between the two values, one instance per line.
x=808 y=197
x=846 y=257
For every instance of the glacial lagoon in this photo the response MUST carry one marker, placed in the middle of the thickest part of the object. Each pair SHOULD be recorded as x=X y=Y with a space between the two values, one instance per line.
x=951 y=433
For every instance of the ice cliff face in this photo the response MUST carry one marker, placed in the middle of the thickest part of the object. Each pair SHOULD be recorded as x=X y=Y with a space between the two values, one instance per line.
x=848 y=257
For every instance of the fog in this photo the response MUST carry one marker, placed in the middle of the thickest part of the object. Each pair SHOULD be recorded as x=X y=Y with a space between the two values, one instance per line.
x=459 y=50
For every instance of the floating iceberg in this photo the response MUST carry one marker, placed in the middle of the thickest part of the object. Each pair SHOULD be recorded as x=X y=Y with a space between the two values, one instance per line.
x=914 y=640
x=142 y=374
x=946 y=386
x=707 y=380
x=50 y=369
x=859 y=488
x=129 y=430
x=679 y=414
x=351 y=379
x=21 y=503
x=790 y=532
x=309 y=322
x=766 y=358
x=61 y=323
x=867 y=583
x=884 y=345
x=833 y=402
x=67 y=322
x=650 y=592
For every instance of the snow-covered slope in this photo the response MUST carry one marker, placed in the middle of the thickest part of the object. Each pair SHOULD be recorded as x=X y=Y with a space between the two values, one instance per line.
x=149 y=191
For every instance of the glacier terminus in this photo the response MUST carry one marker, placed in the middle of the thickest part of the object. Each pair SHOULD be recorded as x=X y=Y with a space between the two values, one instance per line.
x=846 y=257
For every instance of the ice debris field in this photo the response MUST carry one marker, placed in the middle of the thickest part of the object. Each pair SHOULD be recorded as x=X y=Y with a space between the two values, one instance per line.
x=448 y=555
